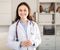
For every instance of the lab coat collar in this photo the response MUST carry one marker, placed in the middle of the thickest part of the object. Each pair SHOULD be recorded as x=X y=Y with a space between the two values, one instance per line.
x=28 y=21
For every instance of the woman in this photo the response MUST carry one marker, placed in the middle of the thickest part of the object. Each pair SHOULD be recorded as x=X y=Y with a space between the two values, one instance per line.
x=24 y=33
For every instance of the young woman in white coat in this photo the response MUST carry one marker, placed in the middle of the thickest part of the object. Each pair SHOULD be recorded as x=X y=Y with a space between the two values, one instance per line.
x=24 y=33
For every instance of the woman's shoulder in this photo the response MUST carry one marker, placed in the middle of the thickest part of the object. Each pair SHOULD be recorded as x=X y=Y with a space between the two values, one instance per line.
x=34 y=23
x=36 y=26
x=13 y=25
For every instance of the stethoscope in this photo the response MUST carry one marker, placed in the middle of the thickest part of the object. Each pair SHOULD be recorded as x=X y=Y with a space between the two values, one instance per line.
x=16 y=29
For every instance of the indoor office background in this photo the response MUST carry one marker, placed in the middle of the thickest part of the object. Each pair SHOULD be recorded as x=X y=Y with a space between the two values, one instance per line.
x=47 y=16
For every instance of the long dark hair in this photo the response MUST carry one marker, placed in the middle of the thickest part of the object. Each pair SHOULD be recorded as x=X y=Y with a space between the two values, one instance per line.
x=30 y=16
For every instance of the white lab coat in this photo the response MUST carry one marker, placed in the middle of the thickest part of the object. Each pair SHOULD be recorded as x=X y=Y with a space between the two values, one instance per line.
x=32 y=32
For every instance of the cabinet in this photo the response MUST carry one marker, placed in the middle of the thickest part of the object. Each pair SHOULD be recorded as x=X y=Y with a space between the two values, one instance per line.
x=48 y=19
x=58 y=37
x=57 y=43
x=45 y=19
x=48 y=43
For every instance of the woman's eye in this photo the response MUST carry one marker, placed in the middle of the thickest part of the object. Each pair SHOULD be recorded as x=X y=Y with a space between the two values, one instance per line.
x=24 y=10
x=21 y=10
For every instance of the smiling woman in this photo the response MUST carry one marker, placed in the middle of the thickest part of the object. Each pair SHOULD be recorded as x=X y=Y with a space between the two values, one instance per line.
x=24 y=34
x=23 y=8
x=23 y=11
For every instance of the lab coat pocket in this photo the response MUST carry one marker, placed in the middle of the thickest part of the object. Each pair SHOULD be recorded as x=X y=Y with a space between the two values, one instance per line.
x=22 y=36
x=23 y=48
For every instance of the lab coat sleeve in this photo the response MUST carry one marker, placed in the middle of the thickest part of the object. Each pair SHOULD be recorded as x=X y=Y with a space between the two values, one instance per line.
x=36 y=40
x=11 y=42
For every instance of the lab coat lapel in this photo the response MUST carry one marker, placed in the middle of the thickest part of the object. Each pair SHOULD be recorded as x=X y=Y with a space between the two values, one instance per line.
x=28 y=29
x=21 y=28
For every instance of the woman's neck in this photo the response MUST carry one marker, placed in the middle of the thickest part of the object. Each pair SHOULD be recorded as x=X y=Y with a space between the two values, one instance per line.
x=24 y=21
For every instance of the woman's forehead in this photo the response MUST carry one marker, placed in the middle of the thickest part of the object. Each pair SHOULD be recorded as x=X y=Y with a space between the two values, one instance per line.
x=23 y=7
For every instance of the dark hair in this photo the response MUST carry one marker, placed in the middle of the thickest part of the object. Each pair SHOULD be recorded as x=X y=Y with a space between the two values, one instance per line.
x=30 y=17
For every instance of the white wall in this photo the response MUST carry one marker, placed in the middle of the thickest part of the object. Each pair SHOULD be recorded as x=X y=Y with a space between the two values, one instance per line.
x=5 y=15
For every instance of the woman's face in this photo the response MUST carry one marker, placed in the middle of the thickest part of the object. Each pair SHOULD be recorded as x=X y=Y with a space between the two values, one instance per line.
x=23 y=12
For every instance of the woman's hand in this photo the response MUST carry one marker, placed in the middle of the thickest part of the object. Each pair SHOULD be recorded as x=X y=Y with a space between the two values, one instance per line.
x=26 y=43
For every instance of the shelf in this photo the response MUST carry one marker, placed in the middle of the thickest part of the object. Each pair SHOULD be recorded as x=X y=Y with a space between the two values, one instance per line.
x=46 y=24
x=47 y=0
x=46 y=7
x=43 y=13
x=57 y=24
